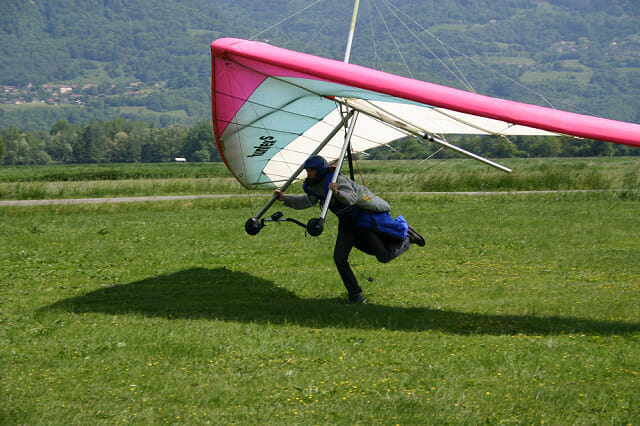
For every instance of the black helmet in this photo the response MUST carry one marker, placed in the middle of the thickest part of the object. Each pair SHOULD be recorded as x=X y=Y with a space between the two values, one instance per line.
x=316 y=162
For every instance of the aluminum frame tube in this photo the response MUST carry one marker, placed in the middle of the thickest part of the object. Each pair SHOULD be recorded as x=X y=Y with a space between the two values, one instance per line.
x=347 y=140
x=293 y=177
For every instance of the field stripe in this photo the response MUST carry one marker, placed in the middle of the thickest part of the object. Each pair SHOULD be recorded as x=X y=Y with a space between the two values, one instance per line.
x=483 y=193
x=64 y=201
x=113 y=200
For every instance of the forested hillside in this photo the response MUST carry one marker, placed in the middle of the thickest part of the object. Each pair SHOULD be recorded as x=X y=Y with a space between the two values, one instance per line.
x=580 y=55
x=150 y=40
x=78 y=61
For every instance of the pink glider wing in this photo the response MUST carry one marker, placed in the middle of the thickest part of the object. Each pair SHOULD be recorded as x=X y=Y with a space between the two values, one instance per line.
x=281 y=62
x=267 y=100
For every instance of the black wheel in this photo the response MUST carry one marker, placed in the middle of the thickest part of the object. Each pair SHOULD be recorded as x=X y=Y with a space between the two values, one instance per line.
x=315 y=226
x=252 y=226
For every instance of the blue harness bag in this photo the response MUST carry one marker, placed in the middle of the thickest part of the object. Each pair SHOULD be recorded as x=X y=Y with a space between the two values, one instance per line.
x=380 y=222
x=383 y=223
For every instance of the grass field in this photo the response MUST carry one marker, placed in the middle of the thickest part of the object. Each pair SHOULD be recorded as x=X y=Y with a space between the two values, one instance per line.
x=30 y=106
x=113 y=180
x=179 y=113
x=520 y=309
x=121 y=171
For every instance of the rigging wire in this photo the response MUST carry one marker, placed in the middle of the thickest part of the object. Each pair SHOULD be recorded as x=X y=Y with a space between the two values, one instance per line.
x=285 y=19
x=459 y=76
x=393 y=39
x=352 y=153
x=476 y=62
x=431 y=156
x=313 y=39
x=355 y=158
x=487 y=67
x=373 y=41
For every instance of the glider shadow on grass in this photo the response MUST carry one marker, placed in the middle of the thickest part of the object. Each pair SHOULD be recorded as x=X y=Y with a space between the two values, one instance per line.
x=227 y=295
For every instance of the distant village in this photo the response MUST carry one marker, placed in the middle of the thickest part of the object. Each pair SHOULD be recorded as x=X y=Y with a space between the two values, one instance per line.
x=70 y=94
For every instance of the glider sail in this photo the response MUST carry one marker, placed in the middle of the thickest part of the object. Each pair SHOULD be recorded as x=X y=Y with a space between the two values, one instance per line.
x=273 y=107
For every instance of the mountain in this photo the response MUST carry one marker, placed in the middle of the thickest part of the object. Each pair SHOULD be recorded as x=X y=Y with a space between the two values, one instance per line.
x=149 y=40
x=149 y=60
x=580 y=55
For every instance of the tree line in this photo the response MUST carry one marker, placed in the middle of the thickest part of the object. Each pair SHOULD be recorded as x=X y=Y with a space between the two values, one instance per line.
x=124 y=141
x=499 y=147
x=112 y=141
x=584 y=52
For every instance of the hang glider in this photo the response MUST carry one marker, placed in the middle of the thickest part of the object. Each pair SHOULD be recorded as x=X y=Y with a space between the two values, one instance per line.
x=273 y=107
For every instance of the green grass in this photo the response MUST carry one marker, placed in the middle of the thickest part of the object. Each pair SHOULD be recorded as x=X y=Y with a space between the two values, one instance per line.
x=520 y=309
x=538 y=77
x=30 y=106
x=511 y=60
x=527 y=175
x=505 y=60
x=113 y=180
x=86 y=172
x=118 y=188
x=180 y=113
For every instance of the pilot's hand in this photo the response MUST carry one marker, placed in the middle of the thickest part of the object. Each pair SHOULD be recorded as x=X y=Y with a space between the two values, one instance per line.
x=279 y=194
x=334 y=188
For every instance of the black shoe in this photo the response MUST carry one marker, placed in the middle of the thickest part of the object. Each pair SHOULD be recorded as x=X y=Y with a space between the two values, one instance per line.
x=357 y=298
x=415 y=238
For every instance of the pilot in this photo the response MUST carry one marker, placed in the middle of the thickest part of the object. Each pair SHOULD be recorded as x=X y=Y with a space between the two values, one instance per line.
x=351 y=202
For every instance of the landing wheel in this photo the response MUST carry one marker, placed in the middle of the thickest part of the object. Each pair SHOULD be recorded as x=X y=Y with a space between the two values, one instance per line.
x=315 y=226
x=252 y=226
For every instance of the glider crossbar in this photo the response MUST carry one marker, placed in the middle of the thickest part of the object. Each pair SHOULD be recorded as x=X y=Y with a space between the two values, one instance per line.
x=380 y=114
x=343 y=152
x=315 y=226
x=253 y=225
x=277 y=217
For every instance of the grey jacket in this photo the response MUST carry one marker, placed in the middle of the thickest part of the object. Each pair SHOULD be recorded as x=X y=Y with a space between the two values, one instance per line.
x=349 y=193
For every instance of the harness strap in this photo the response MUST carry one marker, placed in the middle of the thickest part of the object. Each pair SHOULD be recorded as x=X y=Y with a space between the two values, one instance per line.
x=350 y=158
